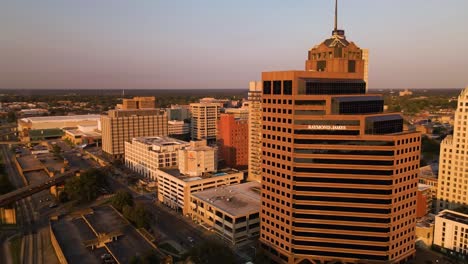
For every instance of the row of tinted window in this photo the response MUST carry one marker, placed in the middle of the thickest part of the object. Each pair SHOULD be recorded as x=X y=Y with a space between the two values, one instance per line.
x=327 y=132
x=341 y=209
x=334 y=87
x=344 y=142
x=344 y=171
x=340 y=245
x=343 y=227
x=344 y=152
x=343 y=218
x=341 y=236
x=341 y=190
x=338 y=254
x=384 y=127
x=365 y=107
x=310 y=102
x=279 y=87
x=343 y=180
x=341 y=199
x=341 y=161
x=328 y=122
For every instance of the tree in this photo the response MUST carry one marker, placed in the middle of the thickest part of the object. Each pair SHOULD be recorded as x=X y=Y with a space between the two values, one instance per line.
x=149 y=257
x=56 y=150
x=122 y=198
x=211 y=252
x=138 y=215
x=5 y=184
x=85 y=188
x=11 y=117
x=141 y=216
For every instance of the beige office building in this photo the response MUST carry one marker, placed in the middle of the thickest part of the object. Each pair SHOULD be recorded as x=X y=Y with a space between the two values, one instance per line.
x=451 y=232
x=174 y=187
x=453 y=166
x=232 y=212
x=339 y=175
x=365 y=58
x=255 y=131
x=205 y=117
x=121 y=125
x=146 y=154
x=41 y=124
x=197 y=159
x=239 y=113
x=148 y=102
x=175 y=127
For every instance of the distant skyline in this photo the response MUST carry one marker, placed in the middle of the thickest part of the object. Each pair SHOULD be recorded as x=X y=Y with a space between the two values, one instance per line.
x=156 y=44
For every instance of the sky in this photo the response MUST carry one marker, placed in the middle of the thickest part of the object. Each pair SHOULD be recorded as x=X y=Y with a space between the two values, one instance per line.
x=174 y=44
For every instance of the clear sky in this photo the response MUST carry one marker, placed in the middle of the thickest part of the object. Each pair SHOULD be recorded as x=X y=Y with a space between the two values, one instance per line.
x=223 y=44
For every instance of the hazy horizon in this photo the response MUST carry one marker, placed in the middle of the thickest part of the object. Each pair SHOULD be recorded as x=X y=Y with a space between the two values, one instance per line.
x=156 y=44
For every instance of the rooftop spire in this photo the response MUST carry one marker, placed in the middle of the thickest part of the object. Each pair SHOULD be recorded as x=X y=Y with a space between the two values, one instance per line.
x=336 y=15
x=337 y=32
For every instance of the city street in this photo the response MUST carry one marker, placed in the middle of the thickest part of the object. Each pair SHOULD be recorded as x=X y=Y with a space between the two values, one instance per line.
x=36 y=239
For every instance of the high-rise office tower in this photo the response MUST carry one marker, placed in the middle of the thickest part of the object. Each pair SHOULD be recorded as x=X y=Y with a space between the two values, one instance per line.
x=365 y=58
x=134 y=118
x=339 y=176
x=233 y=134
x=453 y=169
x=139 y=102
x=205 y=118
x=255 y=132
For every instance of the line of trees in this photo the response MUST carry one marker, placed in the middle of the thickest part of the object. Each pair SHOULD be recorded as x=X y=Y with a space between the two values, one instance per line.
x=134 y=212
x=5 y=184
x=86 y=187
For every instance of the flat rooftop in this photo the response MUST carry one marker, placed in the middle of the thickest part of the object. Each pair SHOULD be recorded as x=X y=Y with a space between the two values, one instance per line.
x=77 y=132
x=160 y=141
x=60 y=118
x=454 y=216
x=176 y=173
x=423 y=187
x=236 y=200
x=74 y=230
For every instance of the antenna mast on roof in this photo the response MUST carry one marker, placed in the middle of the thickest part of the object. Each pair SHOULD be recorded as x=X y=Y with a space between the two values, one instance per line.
x=336 y=16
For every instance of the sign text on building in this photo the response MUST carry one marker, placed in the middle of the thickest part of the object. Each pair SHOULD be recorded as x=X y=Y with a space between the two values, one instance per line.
x=326 y=127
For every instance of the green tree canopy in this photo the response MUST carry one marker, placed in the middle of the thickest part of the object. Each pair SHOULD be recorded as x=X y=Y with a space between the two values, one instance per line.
x=122 y=198
x=85 y=188
x=211 y=252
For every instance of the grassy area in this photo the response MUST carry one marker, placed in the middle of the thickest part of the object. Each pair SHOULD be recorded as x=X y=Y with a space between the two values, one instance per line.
x=15 y=249
x=168 y=247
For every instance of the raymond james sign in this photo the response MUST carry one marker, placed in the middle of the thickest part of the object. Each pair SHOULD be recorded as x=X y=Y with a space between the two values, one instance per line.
x=326 y=127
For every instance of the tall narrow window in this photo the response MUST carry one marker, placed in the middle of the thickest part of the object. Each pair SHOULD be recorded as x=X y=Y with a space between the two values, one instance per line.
x=276 y=87
x=351 y=66
x=266 y=87
x=338 y=52
x=287 y=87
x=321 y=65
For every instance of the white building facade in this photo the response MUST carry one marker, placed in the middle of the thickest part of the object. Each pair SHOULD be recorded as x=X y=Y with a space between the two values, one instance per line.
x=453 y=162
x=451 y=232
x=145 y=155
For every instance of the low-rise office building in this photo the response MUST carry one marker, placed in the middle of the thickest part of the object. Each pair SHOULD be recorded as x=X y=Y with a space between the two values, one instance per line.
x=233 y=136
x=46 y=127
x=424 y=200
x=83 y=134
x=175 y=127
x=174 y=187
x=197 y=159
x=425 y=231
x=451 y=232
x=146 y=154
x=232 y=211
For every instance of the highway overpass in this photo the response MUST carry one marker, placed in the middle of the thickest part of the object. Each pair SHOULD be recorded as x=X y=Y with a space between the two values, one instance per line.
x=29 y=190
